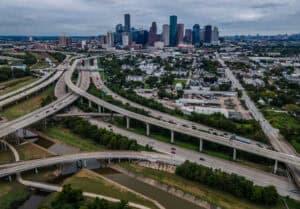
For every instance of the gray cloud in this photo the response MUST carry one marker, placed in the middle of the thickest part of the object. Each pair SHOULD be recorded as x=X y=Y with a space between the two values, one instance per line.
x=93 y=17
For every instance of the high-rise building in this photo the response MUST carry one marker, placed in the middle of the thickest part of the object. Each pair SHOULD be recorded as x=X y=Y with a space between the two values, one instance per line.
x=215 y=36
x=173 y=31
x=202 y=35
x=64 y=41
x=110 y=39
x=166 y=34
x=180 y=33
x=127 y=23
x=208 y=34
x=125 y=39
x=118 y=34
x=152 y=34
x=196 y=34
x=188 y=36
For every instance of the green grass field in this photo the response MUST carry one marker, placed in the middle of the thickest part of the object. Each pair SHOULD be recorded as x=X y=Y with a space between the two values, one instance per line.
x=26 y=106
x=11 y=194
x=65 y=135
x=88 y=181
x=212 y=196
x=16 y=84
x=284 y=121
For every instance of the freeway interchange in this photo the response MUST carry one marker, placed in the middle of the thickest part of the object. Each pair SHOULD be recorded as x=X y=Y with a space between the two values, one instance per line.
x=65 y=99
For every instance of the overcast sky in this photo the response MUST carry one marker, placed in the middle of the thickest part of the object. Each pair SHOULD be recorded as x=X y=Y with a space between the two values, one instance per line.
x=94 y=17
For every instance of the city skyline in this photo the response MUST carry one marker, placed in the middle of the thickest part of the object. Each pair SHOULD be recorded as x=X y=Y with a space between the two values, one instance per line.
x=89 y=17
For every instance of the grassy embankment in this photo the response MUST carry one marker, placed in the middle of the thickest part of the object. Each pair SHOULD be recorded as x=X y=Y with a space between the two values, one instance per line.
x=26 y=106
x=15 y=84
x=212 y=196
x=66 y=136
x=89 y=181
x=285 y=123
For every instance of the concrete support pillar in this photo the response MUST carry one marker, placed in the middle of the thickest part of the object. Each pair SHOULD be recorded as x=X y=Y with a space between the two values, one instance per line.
x=200 y=145
x=81 y=100
x=108 y=160
x=148 y=129
x=275 y=166
x=234 y=154
x=172 y=136
x=84 y=163
x=36 y=171
x=45 y=123
x=119 y=160
x=9 y=179
x=127 y=122
x=99 y=109
x=24 y=133
x=90 y=104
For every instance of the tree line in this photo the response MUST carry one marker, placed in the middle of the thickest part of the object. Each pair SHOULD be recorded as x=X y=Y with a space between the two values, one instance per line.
x=70 y=198
x=6 y=73
x=101 y=136
x=231 y=183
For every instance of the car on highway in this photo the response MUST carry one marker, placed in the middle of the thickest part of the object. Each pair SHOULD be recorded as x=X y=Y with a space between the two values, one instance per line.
x=201 y=159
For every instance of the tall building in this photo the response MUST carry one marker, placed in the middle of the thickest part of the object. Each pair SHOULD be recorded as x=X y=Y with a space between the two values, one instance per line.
x=180 y=33
x=188 y=36
x=215 y=36
x=118 y=34
x=166 y=34
x=208 y=34
x=153 y=34
x=64 y=41
x=202 y=35
x=196 y=34
x=125 y=39
x=110 y=39
x=127 y=23
x=173 y=31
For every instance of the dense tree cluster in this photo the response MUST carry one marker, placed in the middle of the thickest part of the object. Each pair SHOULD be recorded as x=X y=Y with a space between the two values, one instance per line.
x=71 y=198
x=240 y=127
x=231 y=183
x=6 y=73
x=102 y=136
x=58 y=56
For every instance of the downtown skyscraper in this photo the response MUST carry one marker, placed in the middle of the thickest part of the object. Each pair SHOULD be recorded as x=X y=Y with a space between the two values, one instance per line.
x=173 y=31
x=127 y=25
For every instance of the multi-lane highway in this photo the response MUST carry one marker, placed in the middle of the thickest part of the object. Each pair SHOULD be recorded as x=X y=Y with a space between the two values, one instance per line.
x=258 y=177
x=98 y=82
x=279 y=156
x=276 y=139
x=44 y=112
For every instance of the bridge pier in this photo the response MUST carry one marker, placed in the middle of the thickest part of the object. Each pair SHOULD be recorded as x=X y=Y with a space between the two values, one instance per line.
x=200 y=145
x=9 y=178
x=275 y=166
x=90 y=104
x=81 y=100
x=99 y=109
x=234 y=154
x=147 y=129
x=127 y=122
x=172 y=136
x=84 y=163
x=45 y=123
x=36 y=171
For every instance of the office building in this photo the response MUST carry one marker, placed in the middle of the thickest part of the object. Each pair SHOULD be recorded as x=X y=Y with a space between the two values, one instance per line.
x=125 y=39
x=166 y=34
x=118 y=34
x=196 y=35
x=64 y=41
x=152 y=34
x=173 y=31
x=215 y=36
x=188 y=36
x=110 y=39
x=180 y=33
x=127 y=25
x=208 y=34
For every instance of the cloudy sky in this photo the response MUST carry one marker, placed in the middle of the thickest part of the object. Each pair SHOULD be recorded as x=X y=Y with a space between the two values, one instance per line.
x=94 y=17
